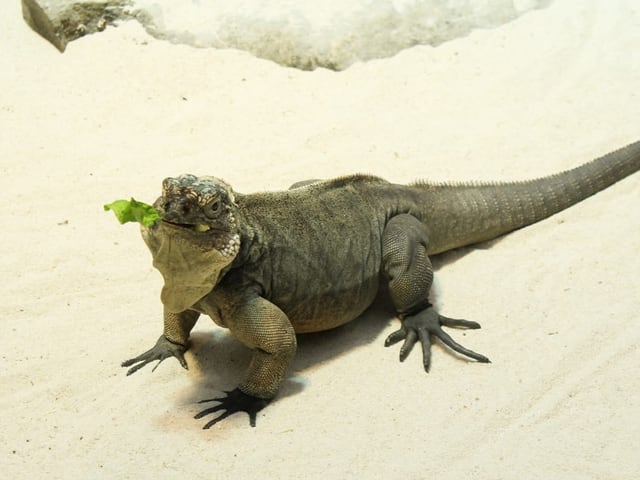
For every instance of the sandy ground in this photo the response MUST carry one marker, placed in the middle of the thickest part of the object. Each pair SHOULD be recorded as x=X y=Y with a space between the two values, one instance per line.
x=559 y=301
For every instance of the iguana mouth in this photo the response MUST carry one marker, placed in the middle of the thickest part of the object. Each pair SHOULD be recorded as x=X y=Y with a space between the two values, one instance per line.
x=198 y=227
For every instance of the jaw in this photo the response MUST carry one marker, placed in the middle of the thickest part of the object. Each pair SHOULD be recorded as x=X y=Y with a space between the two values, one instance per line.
x=198 y=227
x=192 y=227
x=199 y=236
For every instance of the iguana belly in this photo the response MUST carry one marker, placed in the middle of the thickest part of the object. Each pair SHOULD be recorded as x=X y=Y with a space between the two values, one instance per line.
x=329 y=310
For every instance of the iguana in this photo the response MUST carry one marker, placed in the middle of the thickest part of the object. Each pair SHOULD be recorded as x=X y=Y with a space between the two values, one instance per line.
x=270 y=265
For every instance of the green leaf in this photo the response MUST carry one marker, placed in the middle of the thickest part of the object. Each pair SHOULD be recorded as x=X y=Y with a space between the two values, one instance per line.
x=134 y=211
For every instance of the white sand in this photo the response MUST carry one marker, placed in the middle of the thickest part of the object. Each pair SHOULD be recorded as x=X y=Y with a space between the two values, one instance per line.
x=559 y=301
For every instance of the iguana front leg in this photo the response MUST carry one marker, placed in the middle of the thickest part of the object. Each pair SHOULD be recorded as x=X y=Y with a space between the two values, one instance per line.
x=172 y=343
x=264 y=328
x=410 y=275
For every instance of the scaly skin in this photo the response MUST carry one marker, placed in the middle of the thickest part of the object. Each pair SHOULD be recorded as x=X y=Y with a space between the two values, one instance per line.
x=270 y=265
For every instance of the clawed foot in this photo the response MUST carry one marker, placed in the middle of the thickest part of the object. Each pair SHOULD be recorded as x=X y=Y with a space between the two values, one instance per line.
x=162 y=350
x=424 y=324
x=235 y=401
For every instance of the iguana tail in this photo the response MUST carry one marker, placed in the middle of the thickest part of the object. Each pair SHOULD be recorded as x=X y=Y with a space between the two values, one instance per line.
x=466 y=213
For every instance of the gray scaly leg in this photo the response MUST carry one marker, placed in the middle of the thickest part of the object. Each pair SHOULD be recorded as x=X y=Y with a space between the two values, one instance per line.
x=410 y=275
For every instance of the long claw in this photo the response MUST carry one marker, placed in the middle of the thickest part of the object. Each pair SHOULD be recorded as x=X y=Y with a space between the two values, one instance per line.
x=457 y=323
x=235 y=401
x=453 y=345
x=407 y=346
x=160 y=360
x=135 y=368
x=420 y=326
x=162 y=350
x=395 y=337
x=425 y=340
x=210 y=410
x=221 y=417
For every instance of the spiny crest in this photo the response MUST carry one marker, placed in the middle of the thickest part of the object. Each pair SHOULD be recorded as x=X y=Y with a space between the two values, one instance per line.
x=473 y=183
x=496 y=183
x=354 y=179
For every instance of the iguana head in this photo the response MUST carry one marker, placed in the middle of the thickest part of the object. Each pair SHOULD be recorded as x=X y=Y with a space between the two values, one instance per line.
x=200 y=208
x=196 y=238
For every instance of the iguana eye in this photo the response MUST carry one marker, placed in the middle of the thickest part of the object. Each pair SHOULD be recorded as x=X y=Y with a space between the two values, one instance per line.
x=212 y=209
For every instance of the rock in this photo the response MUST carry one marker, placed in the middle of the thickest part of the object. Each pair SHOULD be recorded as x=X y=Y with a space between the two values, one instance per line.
x=62 y=21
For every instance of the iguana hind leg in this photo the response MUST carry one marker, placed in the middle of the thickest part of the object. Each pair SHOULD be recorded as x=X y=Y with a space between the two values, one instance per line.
x=410 y=275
